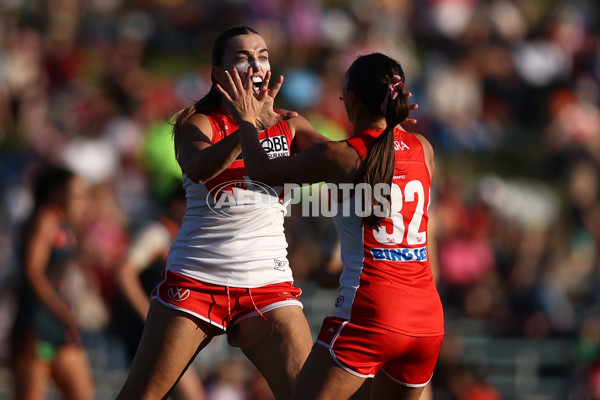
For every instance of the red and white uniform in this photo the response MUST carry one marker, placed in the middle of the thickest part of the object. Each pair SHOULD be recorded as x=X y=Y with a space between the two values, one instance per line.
x=232 y=233
x=387 y=284
x=229 y=260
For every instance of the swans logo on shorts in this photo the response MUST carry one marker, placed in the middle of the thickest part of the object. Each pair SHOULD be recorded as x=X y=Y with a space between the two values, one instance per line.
x=339 y=301
x=178 y=294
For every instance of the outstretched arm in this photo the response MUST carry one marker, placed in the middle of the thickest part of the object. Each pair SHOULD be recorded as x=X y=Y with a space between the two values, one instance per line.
x=198 y=157
x=305 y=135
x=324 y=161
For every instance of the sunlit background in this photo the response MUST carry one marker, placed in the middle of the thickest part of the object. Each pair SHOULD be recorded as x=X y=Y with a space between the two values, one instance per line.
x=508 y=94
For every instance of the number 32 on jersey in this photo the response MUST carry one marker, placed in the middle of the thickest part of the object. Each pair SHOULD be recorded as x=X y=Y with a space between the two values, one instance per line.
x=393 y=229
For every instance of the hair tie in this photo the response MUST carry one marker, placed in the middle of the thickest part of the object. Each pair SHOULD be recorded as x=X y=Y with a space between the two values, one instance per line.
x=394 y=88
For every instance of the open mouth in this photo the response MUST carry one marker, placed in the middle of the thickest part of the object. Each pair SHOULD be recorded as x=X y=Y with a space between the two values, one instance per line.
x=257 y=82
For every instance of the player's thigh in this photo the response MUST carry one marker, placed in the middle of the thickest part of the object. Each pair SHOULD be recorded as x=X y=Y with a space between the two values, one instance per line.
x=72 y=373
x=31 y=382
x=31 y=373
x=384 y=388
x=170 y=341
x=277 y=345
x=322 y=379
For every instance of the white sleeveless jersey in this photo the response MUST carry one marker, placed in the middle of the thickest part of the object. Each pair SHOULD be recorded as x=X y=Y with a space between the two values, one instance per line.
x=232 y=233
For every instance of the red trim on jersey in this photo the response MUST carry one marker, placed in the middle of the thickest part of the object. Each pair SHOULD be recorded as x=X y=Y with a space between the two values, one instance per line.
x=362 y=141
x=276 y=141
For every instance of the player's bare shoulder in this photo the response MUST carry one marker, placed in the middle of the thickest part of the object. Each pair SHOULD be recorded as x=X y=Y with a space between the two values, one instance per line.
x=198 y=124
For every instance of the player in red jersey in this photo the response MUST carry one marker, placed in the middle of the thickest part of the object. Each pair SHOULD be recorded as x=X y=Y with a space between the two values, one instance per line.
x=388 y=322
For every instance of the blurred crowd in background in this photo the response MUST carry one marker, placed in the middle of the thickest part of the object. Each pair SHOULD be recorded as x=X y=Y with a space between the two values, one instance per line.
x=508 y=94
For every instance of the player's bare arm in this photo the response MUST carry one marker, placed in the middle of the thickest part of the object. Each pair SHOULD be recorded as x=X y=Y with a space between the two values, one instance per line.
x=198 y=157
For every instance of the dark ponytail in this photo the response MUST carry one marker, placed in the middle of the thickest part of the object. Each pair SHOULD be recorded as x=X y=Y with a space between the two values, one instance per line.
x=212 y=100
x=369 y=77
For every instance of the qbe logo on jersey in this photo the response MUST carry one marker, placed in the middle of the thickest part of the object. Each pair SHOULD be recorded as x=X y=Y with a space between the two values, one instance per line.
x=234 y=198
x=276 y=146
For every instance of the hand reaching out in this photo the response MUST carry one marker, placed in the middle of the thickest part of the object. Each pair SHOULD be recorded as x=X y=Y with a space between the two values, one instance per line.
x=412 y=107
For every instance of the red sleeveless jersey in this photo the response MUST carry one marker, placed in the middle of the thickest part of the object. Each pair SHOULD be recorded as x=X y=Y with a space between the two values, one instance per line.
x=387 y=280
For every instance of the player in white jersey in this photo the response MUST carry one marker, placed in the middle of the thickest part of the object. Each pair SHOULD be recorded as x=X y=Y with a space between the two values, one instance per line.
x=227 y=271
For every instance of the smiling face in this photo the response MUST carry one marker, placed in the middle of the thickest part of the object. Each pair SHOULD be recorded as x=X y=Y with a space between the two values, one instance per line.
x=245 y=51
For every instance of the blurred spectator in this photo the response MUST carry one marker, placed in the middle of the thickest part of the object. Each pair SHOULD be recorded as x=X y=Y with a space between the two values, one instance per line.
x=53 y=295
x=140 y=272
x=229 y=381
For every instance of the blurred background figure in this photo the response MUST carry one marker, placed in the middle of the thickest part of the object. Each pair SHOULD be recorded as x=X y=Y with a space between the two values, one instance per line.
x=46 y=332
x=140 y=273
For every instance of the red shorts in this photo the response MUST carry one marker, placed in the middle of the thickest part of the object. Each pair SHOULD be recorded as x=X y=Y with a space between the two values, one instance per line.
x=223 y=306
x=364 y=350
